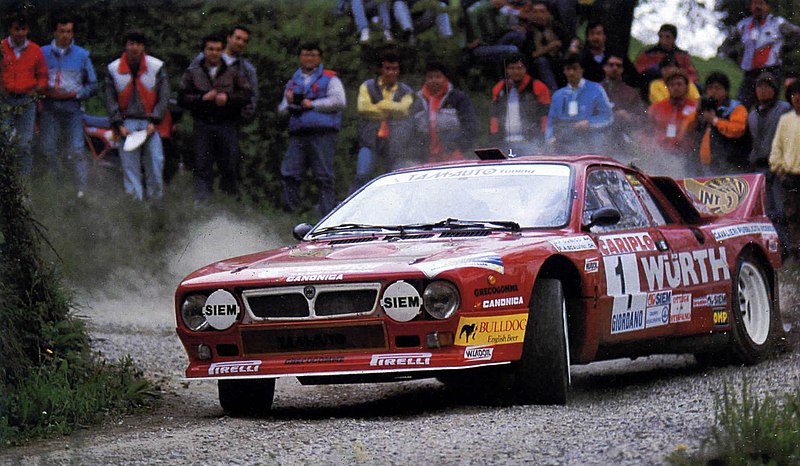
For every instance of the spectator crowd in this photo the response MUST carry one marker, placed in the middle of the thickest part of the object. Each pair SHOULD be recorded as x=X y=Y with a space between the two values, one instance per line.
x=556 y=93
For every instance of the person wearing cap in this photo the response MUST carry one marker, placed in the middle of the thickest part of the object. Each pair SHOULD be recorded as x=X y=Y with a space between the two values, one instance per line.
x=71 y=81
x=649 y=59
x=444 y=120
x=761 y=36
x=762 y=123
x=23 y=74
x=784 y=161
x=137 y=96
x=658 y=87
x=667 y=118
x=719 y=124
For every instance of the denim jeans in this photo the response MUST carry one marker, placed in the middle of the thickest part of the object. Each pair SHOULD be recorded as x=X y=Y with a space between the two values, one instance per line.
x=150 y=157
x=23 y=121
x=61 y=130
x=403 y=16
x=360 y=14
x=215 y=142
x=317 y=151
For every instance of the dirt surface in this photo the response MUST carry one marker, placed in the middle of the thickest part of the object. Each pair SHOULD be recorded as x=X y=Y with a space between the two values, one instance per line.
x=624 y=412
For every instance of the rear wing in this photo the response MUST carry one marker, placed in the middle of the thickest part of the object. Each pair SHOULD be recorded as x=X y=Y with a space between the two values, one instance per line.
x=729 y=196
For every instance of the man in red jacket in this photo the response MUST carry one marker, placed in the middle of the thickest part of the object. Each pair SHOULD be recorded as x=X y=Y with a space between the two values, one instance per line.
x=24 y=73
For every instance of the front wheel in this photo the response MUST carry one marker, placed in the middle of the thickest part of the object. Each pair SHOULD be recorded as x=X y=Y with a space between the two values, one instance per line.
x=246 y=397
x=755 y=319
x=542 y=375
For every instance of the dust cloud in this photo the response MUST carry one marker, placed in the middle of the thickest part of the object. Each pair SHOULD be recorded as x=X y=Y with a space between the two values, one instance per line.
x=145 y=301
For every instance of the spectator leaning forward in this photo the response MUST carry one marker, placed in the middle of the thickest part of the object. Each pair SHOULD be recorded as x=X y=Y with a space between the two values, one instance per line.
x=760 y=37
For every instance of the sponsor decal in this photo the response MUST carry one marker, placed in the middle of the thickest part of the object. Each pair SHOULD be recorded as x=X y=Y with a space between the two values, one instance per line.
x=503 y=302
x=686 y=268
x=444 y=173
x=579 y=243
x=625 y=243
x=627 y=320
x=314 y=360
x=401 y=359
x=657 y=316
x=221 y=310
x=500 y=289
x=489 y=261
x=591 y=265
x=478 y=353
x=709 y=300
x=316 y=272
x=741 y=230
x=234 y=367
x=719 y=195
x=681 y=310
x=499 y=330
x=659 y=298
x=720 y=317
x=314 y=277
x=401 y=301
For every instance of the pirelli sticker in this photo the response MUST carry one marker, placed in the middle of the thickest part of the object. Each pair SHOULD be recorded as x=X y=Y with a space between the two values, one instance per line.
x=720 y=195
x=499 y=330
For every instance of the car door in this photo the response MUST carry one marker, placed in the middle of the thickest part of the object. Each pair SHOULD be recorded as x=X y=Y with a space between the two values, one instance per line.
x=633 y=305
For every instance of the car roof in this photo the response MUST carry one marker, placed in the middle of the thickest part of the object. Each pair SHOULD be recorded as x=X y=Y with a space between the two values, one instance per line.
x=577 y=160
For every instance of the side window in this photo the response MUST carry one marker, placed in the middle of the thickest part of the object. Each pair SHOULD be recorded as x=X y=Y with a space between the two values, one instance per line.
x=610 y=188
x=658 y=216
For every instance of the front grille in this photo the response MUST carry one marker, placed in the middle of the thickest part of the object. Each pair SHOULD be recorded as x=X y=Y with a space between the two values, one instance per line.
x=297 y=339
x=306 y=302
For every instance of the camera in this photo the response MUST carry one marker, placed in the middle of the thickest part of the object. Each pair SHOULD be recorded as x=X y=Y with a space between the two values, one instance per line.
x=298 y=97
x=708 y=103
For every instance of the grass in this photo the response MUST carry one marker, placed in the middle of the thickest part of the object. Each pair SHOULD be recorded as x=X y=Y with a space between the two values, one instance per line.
x=749 y=430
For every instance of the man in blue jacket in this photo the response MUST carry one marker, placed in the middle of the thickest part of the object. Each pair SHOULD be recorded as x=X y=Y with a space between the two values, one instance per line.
x=579 y=113
x=315 y=100
x=71 y=79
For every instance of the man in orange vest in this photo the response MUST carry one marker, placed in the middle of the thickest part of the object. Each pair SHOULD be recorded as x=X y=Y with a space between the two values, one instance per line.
x=137 y=96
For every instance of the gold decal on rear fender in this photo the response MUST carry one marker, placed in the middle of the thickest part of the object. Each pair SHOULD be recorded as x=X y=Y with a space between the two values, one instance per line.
x=719 y=195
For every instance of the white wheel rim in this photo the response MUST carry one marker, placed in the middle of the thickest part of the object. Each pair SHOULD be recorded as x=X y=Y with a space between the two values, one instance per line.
x=754 y=305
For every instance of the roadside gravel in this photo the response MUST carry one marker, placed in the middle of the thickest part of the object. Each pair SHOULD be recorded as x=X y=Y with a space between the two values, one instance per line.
x=621 y=412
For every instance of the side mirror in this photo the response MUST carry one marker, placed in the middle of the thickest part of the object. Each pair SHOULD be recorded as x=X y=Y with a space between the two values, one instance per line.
x=301 y=230
x=604 y=216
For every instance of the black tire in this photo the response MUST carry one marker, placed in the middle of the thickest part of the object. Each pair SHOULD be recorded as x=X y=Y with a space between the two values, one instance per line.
x=247 y=397
x=755 y=316
x=542 y=375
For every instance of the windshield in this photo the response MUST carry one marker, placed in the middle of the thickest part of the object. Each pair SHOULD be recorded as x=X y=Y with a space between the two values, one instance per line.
x=497 y=196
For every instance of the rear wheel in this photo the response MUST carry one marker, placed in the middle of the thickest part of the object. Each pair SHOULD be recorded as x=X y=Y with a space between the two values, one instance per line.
x=755 y=320
x=246 y=397
x=542 y=375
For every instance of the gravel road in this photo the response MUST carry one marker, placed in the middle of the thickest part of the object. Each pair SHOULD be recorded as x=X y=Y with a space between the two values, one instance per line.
x=620 y=412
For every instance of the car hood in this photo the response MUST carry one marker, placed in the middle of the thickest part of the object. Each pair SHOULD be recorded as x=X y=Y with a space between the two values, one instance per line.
x=362 y=257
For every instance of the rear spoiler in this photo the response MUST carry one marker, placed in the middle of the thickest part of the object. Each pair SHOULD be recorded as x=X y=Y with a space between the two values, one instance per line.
x=730 y=196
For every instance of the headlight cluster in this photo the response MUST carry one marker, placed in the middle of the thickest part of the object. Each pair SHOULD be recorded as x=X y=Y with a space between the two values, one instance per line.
x=192 y=312
x=402 y=302
x=218 y=311
x=441 y=299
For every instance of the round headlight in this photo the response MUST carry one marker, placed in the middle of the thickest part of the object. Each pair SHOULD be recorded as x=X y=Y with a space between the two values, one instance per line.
x=441 y=299
x=192 y=312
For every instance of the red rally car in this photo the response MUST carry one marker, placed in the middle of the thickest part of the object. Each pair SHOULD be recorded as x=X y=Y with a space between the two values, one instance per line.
x=527 y=265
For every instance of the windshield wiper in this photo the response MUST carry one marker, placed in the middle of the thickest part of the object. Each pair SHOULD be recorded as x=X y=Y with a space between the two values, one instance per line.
x=454 y=223
x=344 y=227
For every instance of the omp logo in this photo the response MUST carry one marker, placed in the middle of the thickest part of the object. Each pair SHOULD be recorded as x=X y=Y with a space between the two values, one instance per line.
x=234 y=367
x=468 y=330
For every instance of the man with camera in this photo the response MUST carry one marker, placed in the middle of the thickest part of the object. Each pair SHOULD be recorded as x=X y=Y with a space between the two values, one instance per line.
x=314 y=99
x=719 y=125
